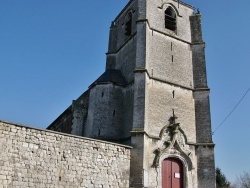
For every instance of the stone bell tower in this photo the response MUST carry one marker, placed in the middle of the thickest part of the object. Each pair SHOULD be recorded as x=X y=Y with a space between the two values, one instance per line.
x=153 y=96
x=157 y=46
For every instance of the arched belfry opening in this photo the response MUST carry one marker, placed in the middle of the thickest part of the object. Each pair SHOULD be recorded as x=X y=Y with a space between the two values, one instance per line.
x=128 y=24
x=172 y=173
x=170 y=19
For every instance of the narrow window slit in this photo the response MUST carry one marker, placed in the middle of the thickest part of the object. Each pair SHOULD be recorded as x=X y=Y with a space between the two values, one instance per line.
x=99 y=133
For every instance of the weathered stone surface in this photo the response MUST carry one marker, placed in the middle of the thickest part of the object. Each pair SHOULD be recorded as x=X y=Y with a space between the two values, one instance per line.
x=31 y=157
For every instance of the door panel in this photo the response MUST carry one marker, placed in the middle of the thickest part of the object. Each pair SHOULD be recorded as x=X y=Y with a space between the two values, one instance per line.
x=172 y=173
x=166 y=174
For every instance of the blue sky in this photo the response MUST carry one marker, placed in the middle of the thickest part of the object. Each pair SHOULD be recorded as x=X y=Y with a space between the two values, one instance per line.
x=52 y=50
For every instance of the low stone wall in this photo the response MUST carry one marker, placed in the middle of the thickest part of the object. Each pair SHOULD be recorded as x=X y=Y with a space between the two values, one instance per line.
x=31 y=157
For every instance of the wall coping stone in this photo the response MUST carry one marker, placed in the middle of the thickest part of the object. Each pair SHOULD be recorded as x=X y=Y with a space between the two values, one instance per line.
x=64 y=134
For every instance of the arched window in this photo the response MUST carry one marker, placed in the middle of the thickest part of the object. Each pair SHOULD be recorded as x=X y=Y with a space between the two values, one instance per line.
x=128 y=24
x=170 y=19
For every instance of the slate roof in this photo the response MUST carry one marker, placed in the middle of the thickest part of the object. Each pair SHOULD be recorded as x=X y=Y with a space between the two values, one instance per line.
x=111 y=76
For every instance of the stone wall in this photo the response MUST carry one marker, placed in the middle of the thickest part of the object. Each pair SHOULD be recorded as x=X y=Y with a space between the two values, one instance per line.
x=31 y=157
x=105 y=112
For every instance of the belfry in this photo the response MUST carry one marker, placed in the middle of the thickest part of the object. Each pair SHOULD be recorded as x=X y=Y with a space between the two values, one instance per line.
x=152 y=96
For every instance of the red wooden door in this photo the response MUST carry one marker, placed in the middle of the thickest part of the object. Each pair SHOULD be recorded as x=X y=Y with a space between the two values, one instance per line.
x=172 y=173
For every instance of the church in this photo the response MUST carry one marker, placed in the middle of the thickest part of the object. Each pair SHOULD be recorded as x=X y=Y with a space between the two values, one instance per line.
x=153 y=96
